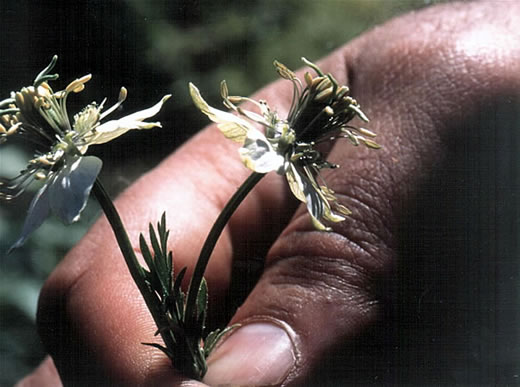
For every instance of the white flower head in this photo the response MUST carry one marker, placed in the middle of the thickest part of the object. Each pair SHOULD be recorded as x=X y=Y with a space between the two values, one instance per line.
x=39 y=115
x=320 y=111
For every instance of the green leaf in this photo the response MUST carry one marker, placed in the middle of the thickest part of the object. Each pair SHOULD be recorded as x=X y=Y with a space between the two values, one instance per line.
x=214 y=337
x=178 y=280
x=163 y=232
x=145 y=251
x=160 y=265
x=153 y=239
x=169 y=262
x=178 y=294
x=150 y=275
x=202 y=303
x=210 y=341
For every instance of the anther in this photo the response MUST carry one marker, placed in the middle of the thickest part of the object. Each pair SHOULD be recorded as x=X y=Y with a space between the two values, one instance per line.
x=19 y=99
x=316 y=81
x=13 y=129
x=342 y=91
x=224 y=92
x=324 y=84
x=328 y=110
x=40 y=176
x=370 y=143
x=366 y=132
x=308 y=78
x=323 y=95
x=122 y=94
x=45 y=161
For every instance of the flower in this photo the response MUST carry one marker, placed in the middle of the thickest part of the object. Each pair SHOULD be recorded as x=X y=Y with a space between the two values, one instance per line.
x=320 y=111
x=39 y=115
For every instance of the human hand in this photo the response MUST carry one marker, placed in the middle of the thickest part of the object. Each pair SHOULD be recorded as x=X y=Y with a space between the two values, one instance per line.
x=423 y=79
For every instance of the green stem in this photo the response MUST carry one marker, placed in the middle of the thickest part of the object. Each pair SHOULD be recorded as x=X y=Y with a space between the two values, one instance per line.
x=211 y=241
x=133 y=265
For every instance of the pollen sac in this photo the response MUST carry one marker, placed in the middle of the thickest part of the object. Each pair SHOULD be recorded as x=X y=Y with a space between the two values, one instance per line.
x=40 y=176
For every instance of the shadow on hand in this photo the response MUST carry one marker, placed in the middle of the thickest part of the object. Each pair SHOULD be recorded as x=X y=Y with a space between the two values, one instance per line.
x=452 y=306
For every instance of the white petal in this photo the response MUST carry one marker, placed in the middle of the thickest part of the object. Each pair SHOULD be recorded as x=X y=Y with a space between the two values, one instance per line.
x=112 y=129
x=115 y=128
x=232 y=126
x=319 y=225
x=259 y=155
x=147 y=113
x=69 y=191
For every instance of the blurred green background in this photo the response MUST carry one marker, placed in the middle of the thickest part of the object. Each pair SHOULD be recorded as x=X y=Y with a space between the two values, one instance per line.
x=152 y=47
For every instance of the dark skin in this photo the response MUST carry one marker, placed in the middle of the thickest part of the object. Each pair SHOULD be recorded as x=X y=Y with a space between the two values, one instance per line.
x=427 y=80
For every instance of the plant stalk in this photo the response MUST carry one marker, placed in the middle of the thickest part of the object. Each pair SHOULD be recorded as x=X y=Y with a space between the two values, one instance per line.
x=136 y=271
x=211 y=241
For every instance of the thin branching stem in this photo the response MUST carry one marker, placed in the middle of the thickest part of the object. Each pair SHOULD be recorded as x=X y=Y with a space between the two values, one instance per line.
x=133 y=265
x=211 y=241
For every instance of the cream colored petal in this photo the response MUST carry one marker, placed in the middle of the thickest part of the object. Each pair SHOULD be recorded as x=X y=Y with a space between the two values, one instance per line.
x=306 y=192
x=295 y=183
x=147 y=113
x=318 y=225
x=317 y=205
x=115 y=128
x=112 y=129
x=232 y=126
x=321 y=200
x=316 y=198
x=331 y=216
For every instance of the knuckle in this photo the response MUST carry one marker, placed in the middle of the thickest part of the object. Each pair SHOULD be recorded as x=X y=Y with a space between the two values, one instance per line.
x=442 y=49
x=344 y=268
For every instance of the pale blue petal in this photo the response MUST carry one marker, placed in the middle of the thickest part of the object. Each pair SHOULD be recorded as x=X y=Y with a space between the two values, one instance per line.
x=69 y=192
x=38 y=211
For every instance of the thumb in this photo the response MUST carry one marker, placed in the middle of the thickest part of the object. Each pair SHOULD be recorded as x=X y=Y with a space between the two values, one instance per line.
x=319 y=289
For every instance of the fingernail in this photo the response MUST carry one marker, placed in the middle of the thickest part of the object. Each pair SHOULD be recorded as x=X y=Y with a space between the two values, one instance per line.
x=255 y=354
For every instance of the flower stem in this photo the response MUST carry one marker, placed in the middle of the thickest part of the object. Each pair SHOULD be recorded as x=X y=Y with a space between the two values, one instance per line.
x=211 y=241
x=136 y=271
x=184 y=347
